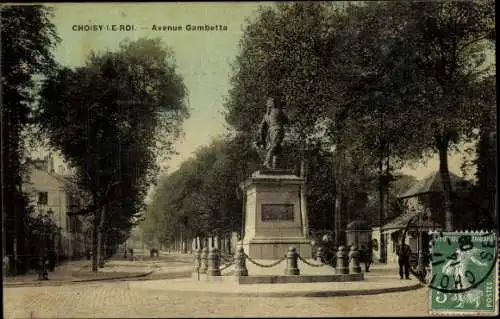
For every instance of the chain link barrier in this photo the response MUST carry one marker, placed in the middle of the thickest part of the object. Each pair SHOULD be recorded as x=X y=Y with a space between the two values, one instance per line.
x=332 y=261
x=262 y=265
x=308 y=263
x=227 y=259
x=227 y=266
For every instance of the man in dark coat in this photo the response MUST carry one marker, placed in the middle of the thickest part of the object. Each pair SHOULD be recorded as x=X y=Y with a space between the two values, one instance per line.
x=404 y=252
x=366 y=257
x=51 y=255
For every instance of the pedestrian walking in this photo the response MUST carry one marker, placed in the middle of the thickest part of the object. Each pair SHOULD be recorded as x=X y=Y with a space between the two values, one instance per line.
x=51 y=255
x=366 y=257
x=403 y=253
x=6 y=263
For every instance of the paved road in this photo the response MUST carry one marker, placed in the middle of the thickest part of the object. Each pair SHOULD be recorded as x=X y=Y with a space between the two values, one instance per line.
x=129 y=299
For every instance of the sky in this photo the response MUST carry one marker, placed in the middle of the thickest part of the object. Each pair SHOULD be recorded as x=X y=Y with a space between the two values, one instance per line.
x=203 y=57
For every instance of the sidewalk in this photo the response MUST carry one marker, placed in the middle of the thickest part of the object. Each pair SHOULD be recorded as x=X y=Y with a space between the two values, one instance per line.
x=140 y=267
x=381 y=279
x=79 y=271
x=62 y=272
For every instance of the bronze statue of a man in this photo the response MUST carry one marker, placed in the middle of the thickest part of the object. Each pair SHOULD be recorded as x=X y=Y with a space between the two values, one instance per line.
x=272 y=131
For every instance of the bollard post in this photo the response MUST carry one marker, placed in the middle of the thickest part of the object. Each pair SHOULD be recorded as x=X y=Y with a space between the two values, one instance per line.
x=204 y=260
x=319 y=254
x=291 y=262
x=213 y=262
x=334 y=258
x=241 y=267
x=347 y=249
x=346 y=257
x=314 y=250
x=354 y=264
x=197 y=259
x=341 y=267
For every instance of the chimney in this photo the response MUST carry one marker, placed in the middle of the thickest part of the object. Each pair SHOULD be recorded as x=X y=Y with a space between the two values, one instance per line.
x=50 y=163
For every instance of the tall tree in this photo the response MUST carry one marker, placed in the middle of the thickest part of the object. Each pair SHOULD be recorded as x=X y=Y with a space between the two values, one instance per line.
x=415 y=75
x=328 y=63
x=110 y=118
x=452 y=41
x=27 y=39
x=392 y=79
x=486 y=155
x=283 y=53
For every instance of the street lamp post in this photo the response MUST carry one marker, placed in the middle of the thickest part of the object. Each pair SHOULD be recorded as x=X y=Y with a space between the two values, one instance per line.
x=43 y=274
x=421 y=256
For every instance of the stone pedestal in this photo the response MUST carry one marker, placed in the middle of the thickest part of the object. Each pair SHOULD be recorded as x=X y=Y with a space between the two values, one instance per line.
x=275 y=215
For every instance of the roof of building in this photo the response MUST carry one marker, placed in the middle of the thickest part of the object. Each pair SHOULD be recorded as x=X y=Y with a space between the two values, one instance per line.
x=402 y=220
x=432 y=184
x=67 y=181
x=358 y=225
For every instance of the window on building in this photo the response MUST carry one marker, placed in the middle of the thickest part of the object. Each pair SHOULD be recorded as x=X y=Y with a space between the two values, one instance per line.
x=78 y=225
x=43 y=198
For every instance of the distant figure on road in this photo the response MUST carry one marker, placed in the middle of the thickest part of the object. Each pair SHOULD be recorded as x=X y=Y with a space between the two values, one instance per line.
x=51 y=256
x=403 y=253
x=366 y=257
x=153 y=252
x=6 y=263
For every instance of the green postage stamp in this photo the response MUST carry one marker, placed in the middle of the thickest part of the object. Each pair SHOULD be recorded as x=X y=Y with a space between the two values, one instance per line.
x=464 y=273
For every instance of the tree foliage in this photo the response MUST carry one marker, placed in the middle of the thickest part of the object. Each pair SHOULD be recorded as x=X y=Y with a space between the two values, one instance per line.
x=202 y=198
x=27 y=39
x=368 y=87
x=110 y=118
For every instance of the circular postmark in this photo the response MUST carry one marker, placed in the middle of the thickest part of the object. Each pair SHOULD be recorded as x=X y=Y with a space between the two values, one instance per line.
x=461 y=261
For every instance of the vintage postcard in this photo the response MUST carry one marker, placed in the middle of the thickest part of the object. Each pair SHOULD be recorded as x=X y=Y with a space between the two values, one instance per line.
x=253 y=159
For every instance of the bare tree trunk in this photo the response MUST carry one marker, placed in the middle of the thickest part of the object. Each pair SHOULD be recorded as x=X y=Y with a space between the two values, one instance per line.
x=303 y=199
x=381 y=208
x=100 y=238
x=338 y=198
x=388 y=186
x=446 y=182
x=95 y=242
x=381 y=193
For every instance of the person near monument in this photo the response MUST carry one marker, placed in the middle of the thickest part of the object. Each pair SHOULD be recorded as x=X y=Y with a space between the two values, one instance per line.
x=272 y=131
x=366 y=257
x=403 y=253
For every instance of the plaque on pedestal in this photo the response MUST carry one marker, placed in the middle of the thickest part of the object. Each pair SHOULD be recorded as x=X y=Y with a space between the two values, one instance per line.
x=275 y=216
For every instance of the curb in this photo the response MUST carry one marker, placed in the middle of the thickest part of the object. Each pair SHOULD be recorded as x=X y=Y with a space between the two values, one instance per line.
x=69 y=282
x=164 y=276
x=308 y=294
x=115 y=278
x=345 y=293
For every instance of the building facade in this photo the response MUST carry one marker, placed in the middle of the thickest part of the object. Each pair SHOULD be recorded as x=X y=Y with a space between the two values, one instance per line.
x=423 y=211
x=55 y=195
